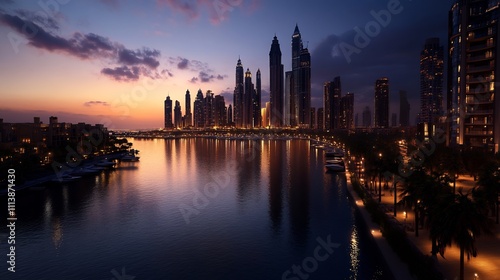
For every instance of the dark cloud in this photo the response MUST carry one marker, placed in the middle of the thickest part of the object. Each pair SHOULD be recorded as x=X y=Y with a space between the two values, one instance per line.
x=193 y=80
x=183 y=64
x=94 y=103
x=167 y=72
x=131 y=63
x=123 y=73
x=40 y=18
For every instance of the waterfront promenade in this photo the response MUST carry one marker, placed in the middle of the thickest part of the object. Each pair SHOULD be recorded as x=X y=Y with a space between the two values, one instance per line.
x=398 y=268
x=485 y=266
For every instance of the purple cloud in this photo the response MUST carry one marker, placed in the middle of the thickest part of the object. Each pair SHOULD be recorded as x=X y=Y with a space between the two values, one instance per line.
x=142 y=62
x=123 y=73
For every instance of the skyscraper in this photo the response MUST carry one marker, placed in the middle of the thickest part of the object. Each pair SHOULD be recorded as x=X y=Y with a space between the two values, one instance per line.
x=168 y=113
x=188 y=118
x=473 y=104
x=431 y=81
x=382 y=103
x=287 y=110
x=301 y=68
x=332 y=94
x=248 y=97
x=347 y=111
x=177 y=115
x=199 y=114
x=320 y=119
x=209 y=109
x=257 y=118
x=276 y=84
x=220 y=117
x=230 y=115
x=238 y=96
x=404 y=109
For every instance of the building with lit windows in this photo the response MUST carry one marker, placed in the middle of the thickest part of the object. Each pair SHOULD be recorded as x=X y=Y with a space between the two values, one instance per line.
x=473 y=105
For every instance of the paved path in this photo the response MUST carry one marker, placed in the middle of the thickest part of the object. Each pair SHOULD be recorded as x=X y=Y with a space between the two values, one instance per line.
x=487 y=263
x=398 y=268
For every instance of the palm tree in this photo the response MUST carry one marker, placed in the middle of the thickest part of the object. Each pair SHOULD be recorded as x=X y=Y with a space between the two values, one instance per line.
x=489 y=185
x=461 y=221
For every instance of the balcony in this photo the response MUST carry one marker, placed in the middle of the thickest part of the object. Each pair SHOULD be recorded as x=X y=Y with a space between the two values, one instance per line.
x=478 y=58
x=479 y=112
x=472 y=69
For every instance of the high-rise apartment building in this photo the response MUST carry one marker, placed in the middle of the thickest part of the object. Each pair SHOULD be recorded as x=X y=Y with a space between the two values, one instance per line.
x=473 y=104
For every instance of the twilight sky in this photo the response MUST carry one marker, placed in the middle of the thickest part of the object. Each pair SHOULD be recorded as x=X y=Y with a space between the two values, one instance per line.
x=115 y=61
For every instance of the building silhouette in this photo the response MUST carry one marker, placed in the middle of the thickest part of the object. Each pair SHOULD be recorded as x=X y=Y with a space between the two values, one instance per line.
x=404 y=109
x=188 y=118
x=332 y=94
x=199 y=114
x=381 y=115
x=168 y=113
x=230 y=115
x=473 y=104
x=177 y=115
x=276 y=85
x=238 y=102
x=248 y=97
x=301 y=78
x=431 y=81
x=320 y=119
x=257 y=118
x=288 y=99
x=347 y=111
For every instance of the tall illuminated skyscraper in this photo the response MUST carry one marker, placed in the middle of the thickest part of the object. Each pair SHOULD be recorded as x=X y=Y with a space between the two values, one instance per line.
x=431 y=87
x=301 y=71
x=473 y=103
x=276 y=84
x=382 y=103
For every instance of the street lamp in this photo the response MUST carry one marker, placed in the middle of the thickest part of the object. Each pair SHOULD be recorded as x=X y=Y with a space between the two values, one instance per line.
x=416 y=218
x=380 y=179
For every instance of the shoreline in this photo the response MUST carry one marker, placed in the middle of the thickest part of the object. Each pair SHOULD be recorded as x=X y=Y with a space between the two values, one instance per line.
x=398 y=268
x=48 y=178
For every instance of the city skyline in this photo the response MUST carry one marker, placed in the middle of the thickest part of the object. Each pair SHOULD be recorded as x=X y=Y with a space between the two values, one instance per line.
x=67 y=71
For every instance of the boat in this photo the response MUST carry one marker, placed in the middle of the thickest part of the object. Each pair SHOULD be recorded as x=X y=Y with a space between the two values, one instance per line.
x=334 y=161
x=105 y=163
x=130 y=157
x=333 y=153
x=335 y=167
x=65 y=178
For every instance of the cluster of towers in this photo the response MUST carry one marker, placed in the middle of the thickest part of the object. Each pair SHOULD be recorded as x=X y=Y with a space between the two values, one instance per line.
x=289 y=97
x=209 y=111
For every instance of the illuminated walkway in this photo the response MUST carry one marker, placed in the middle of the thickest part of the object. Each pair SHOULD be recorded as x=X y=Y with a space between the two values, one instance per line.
x=487 y=263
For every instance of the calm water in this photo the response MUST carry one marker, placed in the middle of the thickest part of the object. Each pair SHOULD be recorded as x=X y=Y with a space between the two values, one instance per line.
x=197 y=209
